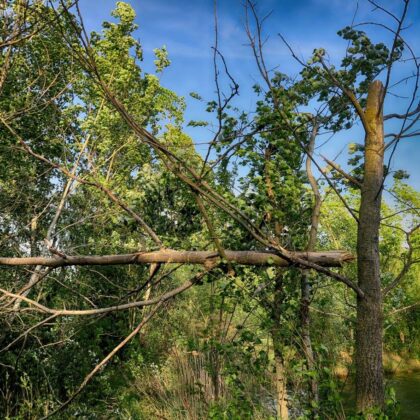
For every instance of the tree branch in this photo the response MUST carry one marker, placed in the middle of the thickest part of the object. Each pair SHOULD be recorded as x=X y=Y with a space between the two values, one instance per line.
x=356 y=182
x=169 y=256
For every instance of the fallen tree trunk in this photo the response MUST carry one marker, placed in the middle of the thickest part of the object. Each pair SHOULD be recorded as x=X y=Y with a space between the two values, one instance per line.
x=170 y=256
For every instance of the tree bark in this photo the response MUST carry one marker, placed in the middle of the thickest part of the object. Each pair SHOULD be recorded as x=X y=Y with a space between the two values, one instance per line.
x=305 y=280
x=369 y=371
x=281 y=390
x=305 y=325
x=170 y=256
x=277 y=332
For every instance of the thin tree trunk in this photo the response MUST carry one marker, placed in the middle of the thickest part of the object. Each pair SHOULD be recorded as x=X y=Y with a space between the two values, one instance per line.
x=277 y=337
x=306 y=335
x=282 y=410
x=305 y=279
x=276 y=334
x=369 y=371
x=39 y=271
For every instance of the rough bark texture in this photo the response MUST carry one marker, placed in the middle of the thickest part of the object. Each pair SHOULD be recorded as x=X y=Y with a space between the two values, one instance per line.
x=369 y=372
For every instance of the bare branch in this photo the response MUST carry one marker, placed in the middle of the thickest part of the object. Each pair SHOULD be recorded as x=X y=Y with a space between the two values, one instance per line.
x=408 y=263
x=400 y=21
x=169 y=256
x=100 y=311
x=403 y=116
x=97 y=185
x=405 y=308
x=106 y=359
x=25 y=333
x=354 y=181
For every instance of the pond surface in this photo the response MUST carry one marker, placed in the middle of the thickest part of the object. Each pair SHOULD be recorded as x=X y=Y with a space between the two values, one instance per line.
x=407 y=388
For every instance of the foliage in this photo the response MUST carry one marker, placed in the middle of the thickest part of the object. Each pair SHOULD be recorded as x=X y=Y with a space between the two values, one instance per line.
x=212 y=351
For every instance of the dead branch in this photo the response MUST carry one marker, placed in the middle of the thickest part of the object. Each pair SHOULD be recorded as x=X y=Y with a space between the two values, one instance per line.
x=170 y=256
x=354 y=181
x=106 y=359
x=100 y=311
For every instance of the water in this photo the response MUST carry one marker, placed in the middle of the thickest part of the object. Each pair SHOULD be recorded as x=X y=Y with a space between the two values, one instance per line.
x=407 y=389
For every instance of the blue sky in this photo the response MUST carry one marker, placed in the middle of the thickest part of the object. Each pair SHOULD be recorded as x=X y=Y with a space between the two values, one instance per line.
x=186 y=28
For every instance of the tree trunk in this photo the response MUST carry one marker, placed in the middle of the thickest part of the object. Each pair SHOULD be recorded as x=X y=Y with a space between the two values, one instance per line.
x=305 y=324
x=305 y=299
x=369 y=372
x=281 y=390
x=277 y=337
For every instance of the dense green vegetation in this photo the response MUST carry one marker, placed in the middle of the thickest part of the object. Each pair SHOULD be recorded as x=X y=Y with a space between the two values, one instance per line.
x=94 y=160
